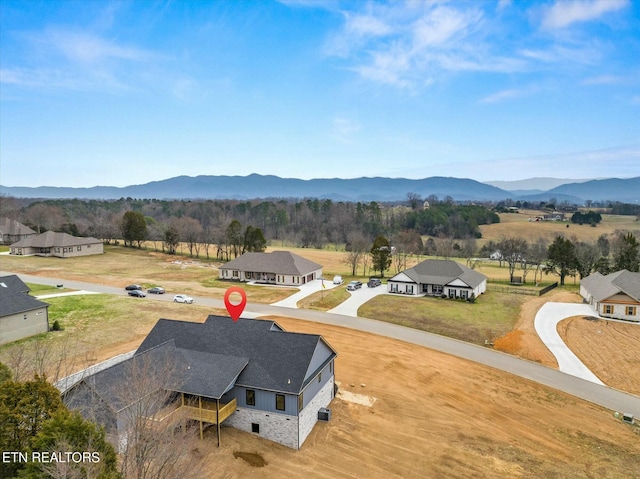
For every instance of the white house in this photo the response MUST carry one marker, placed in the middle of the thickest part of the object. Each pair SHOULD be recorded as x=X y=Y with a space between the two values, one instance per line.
x=279 y=267
x=616 y=295
x=437 y=278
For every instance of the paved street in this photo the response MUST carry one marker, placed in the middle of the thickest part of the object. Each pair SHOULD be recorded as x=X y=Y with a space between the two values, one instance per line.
x=596 y=393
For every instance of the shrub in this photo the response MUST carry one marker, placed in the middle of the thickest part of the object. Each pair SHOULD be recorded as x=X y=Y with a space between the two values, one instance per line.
x=56 y=326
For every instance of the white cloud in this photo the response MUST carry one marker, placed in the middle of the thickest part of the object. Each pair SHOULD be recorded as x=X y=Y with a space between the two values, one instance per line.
x=564 y=13
x=504 y=95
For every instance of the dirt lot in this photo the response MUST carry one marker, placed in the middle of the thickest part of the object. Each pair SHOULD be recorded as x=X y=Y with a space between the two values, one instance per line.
x=436 y=416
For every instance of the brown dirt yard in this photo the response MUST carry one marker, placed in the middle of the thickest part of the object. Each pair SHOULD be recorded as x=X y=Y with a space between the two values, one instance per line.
x=436 y=416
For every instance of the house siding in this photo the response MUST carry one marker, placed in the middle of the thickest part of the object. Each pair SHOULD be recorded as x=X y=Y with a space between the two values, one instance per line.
x=22 y=325
x=315 y=386
x=266 y=401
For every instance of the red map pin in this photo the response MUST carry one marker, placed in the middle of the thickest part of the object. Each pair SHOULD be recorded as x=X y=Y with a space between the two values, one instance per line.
x=235 y=310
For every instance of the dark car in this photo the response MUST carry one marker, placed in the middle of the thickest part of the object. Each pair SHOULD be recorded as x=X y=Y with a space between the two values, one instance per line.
x=133 y=287
x=136 y=293
x=373 y=282
x=156 y=290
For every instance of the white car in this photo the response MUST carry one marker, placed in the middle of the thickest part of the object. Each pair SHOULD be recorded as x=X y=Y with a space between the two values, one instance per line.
x=182 y=298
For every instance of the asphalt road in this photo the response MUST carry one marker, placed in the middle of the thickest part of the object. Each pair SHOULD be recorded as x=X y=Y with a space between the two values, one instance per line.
x=602 y=395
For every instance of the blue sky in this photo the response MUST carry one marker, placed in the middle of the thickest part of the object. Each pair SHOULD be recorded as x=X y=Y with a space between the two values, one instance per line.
x=120 y=93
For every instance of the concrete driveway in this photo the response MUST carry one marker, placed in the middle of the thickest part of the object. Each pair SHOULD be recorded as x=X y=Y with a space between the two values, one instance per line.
x=357 y=299
x=547 y=318
x=305 y=290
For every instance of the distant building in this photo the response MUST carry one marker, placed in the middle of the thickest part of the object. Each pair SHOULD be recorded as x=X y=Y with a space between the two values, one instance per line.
x=12 y=231
x=21 y=315
x=61 y=245
x=279 y=267
x=616 y=295
x=250 y=374
x=438 y=277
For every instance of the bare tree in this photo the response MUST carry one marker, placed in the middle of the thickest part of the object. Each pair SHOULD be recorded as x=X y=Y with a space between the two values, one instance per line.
x=155 y=439
x=357 y=246
x=514 y=252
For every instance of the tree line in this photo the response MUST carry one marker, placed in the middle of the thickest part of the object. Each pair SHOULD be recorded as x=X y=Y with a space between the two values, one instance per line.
x=226 y=228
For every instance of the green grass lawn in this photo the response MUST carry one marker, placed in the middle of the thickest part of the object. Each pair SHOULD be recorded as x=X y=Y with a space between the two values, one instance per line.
x=325 y=300
x=491 y=316
x=92 y=323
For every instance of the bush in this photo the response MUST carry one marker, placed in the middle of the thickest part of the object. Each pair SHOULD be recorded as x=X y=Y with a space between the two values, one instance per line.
x=56 y=326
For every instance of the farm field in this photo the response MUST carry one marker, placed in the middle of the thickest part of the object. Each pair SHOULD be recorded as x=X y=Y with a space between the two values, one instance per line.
x=518 y=224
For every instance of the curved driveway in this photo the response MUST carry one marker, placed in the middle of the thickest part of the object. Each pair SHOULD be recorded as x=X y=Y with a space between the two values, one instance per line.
x=598 y=394
x=546 y=322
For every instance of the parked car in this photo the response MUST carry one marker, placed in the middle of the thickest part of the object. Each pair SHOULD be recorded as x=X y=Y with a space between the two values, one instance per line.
x=136 y=293
x=373 y=282
x=353 y=285
x=337 y=279
x=133 y=287
x=156 y=290
x=182 y=298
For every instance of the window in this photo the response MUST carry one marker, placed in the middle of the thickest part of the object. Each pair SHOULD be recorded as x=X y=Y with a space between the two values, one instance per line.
x=437 y=288
x=630 y=311
x=235 y=274
x=300 y=402
x=79 y=248
x=608 y=309
x=255 y=427
x=280 y=402
x=247 y=275
x=320 y=377
x=250 y=397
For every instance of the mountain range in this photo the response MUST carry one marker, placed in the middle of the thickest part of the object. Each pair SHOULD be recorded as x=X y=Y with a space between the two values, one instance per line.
x=357 y=189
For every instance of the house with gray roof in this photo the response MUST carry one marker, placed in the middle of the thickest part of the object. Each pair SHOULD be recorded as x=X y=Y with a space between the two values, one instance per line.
x=21 y=315
x=248 y=374
x=62 y=245
x=435 y=277
x=615 y=295
x=12 y=231
x=279 y=267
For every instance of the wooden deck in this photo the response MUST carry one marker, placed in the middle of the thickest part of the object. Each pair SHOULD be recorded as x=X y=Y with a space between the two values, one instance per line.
x=206 y=413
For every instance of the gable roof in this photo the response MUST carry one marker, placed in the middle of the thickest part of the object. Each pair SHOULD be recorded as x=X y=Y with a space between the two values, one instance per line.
x=277 y=360
x=442 y=272
x=603 y=287
x=14 y=297
x=278 y=262
x=51 y=239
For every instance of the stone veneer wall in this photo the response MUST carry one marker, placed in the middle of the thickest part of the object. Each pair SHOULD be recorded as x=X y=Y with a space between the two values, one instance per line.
x=308 y=417
x=290 y=431
x=279 y=428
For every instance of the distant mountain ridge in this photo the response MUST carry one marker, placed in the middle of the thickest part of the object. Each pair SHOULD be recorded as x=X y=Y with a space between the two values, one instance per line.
x=357 y=189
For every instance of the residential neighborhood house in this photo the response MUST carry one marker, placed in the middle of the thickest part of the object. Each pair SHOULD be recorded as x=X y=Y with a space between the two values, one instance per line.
x=616 y=295
x=61 y=245
x=12 y=231
x=279 y=267
x=434 y=277
x=21 y=315
x=248 y=374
